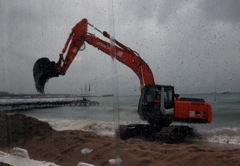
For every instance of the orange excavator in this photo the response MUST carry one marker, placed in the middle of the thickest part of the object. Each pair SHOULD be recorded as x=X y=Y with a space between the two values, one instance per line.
x=158 y=104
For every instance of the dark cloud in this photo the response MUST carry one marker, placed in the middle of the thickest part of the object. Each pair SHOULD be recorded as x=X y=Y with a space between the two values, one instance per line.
x=213 y=10
x=168 y=8
x=144 y=10
x=221 y=10
x=181 y=40
x=24 y=15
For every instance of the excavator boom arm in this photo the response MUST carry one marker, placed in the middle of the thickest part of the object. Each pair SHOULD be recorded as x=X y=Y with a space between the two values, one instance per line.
x=76 y=42
x=125 y=56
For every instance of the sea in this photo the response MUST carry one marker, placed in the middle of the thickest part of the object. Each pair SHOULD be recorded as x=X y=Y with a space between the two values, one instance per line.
x=101 y=119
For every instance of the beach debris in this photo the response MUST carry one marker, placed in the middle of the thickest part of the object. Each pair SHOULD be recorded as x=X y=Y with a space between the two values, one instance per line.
x=116 y=161
x=84 y=164
x=20 y=157
x=20 y=152
x=86 y=151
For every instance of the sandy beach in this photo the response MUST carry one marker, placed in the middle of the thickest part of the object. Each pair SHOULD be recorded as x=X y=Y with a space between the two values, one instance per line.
x=66 y=147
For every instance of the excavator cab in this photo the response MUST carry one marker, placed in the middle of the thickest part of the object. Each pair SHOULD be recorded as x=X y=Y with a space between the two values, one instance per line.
x=156 y=105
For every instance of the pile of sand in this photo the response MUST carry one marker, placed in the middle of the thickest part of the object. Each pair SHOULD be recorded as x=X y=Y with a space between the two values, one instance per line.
x=64 y=147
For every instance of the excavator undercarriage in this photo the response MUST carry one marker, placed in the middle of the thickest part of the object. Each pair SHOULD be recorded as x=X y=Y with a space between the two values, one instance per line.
x=169 y=134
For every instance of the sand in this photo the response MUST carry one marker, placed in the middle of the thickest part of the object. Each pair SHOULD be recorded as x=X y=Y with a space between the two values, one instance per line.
x=64 y=147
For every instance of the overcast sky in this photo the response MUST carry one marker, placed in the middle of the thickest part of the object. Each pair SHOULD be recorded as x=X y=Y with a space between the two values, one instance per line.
x=193 y=45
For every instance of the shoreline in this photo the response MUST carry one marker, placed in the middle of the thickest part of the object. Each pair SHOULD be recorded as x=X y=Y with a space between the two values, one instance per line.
x=65 y=147
x=214 y=145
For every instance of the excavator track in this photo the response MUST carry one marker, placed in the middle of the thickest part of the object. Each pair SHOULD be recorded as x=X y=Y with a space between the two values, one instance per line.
x=170 y=134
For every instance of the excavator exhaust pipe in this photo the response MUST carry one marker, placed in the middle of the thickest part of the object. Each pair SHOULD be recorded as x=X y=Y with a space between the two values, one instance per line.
x=43 y=70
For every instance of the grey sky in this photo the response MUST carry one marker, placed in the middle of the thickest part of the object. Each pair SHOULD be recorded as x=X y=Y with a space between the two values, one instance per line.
x=193 y=45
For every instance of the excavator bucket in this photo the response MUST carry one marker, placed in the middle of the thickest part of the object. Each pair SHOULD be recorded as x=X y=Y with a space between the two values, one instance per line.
x=43 y=70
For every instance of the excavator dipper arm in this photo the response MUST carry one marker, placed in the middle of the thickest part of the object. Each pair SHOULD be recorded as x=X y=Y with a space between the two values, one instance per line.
x=44 y=69
x=76 y=42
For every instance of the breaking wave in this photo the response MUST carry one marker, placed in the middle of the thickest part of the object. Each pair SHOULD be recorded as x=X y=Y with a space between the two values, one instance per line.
x=222 y=135
x=99 y=127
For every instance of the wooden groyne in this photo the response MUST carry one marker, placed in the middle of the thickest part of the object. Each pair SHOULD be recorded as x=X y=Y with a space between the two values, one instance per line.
x=15 y=104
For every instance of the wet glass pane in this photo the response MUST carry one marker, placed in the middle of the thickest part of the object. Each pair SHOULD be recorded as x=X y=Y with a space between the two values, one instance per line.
x=120 y=82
